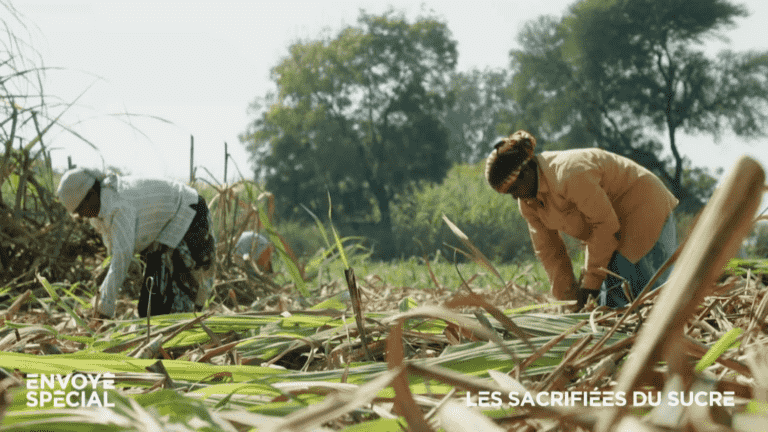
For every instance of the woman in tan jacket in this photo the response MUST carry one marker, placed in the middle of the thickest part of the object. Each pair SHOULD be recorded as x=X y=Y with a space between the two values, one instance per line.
x=622 y=211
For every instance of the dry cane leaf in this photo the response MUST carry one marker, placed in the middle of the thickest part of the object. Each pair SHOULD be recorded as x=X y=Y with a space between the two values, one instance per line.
x=757 y=361
x=404 y=403
x=472 y=299
x=724 y=222
x=455 y=417
x=337 y=404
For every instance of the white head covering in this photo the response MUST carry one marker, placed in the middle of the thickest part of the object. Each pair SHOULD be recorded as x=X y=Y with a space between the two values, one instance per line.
x=74 y=185
x=251 y=244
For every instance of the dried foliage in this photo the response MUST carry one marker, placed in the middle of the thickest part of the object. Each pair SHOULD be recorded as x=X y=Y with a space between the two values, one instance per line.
x=376 y=359
x=575 y=353
x=36 y=236
x=360 y=353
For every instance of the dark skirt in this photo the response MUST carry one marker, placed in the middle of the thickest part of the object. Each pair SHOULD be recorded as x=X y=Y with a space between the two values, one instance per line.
x=172 y=276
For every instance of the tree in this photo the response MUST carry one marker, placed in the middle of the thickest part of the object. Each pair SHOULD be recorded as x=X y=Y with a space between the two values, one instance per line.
x=478 y=101
x=544 y=87
x=357 y=115
x=612 y=71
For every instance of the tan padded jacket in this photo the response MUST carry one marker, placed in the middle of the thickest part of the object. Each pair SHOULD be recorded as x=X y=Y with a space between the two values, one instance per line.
x=606 y=200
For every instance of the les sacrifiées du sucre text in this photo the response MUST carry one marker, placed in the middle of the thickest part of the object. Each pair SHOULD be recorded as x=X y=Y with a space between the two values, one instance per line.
x=488 y=399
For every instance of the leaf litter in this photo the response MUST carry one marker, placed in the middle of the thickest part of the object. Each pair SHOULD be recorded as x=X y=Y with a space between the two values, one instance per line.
x=387 y=357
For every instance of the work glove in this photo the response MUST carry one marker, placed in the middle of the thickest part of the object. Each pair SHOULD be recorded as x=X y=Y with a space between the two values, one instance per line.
x=583 y=295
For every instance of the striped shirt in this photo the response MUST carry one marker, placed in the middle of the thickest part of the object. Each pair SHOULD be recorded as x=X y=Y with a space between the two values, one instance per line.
x=135 y=212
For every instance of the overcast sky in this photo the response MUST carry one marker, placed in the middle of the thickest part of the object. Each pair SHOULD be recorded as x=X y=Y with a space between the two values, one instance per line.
x=199 y=64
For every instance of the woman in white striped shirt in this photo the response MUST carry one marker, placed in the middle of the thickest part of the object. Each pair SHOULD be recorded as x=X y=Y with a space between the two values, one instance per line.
x=165 y=221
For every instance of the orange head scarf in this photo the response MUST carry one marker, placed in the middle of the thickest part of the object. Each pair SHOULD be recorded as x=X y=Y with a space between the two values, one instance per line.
x=508 y=157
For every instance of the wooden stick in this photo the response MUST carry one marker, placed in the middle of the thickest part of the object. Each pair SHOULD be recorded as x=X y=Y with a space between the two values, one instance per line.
x=191 y=159
x=357 y=307
x=17 y=304
x=226 y=159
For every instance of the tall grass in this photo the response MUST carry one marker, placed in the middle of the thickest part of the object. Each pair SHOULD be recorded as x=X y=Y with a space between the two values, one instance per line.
x=412 y=272
x=492 y=221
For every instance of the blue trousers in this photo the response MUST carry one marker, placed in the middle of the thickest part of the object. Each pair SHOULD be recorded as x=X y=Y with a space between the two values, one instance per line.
x=638 y=275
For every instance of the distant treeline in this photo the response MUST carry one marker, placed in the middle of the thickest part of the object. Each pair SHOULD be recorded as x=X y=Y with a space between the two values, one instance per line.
x=377 y=113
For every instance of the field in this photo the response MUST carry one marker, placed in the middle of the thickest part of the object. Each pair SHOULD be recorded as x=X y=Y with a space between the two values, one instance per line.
x=336 y=341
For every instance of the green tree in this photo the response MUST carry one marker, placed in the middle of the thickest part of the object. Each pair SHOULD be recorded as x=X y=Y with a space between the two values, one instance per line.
x=478 y=102
x=357 y=115
x=611 y=72
x=545 y=88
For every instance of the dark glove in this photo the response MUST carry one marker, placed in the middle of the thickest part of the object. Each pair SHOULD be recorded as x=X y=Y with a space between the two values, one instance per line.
x=583 y=295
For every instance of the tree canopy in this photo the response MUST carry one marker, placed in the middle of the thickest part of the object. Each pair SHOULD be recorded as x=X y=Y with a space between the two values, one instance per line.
x=357 y=115
x=611 y=72
x=378 y=106
x=478 y=103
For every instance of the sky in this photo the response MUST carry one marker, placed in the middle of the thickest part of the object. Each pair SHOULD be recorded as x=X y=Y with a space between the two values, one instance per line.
x=198 y=65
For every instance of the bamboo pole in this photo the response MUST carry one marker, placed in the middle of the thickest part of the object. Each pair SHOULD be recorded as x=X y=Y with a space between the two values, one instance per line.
x=191 y=159
x=226 y=159
x=723 y=224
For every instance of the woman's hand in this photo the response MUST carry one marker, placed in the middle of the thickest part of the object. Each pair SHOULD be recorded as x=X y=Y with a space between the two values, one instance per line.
x=583 y=295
